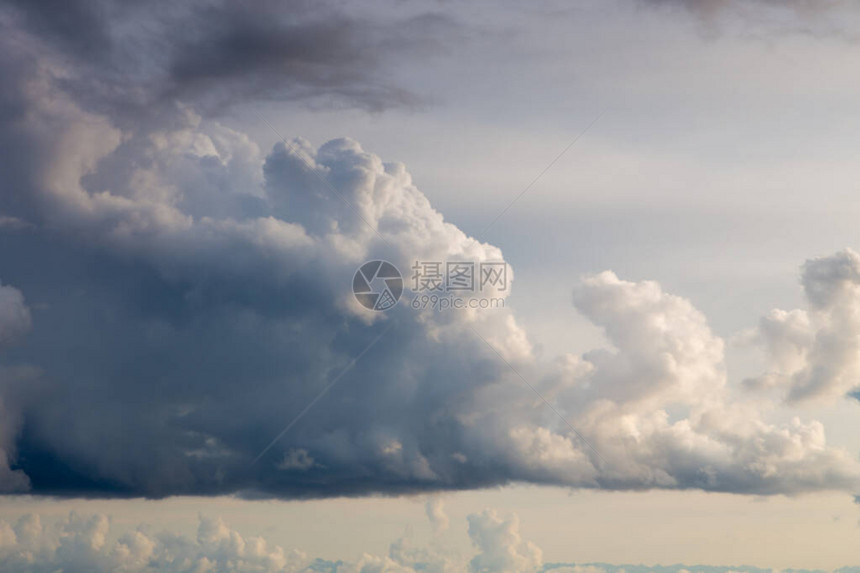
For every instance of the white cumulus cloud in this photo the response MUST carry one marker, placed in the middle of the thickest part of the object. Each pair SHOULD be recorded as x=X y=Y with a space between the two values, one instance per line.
x=815 y=352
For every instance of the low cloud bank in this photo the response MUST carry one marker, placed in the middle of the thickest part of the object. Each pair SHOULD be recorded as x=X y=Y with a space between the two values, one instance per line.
x=89 y=543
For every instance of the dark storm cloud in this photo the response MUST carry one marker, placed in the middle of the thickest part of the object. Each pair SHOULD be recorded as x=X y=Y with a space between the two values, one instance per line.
x=260 y=54
x=215 y=54
x=179 y=383
x=75 y=26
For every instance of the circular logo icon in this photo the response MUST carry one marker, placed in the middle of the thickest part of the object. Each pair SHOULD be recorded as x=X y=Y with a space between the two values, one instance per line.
x=377 y=285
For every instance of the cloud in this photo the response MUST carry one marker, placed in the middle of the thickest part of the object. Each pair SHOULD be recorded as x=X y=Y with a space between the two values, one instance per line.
x=206 y=289
x=95 y=544
x=813 y=352
x=666 y=363
x=89 y=543
x=501 y=548
x=711 y=7
x=132 y=58
x=13 y=223
x=588 y=569
x=236 y=264
x=216 y=309
x=15 y=317
x=436 y=514
x=204 y=302
x=84 y=543
x=15 y=321
x=819 y=18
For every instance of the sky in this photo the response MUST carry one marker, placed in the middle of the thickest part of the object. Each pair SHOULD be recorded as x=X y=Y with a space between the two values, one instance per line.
x=193 y=376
